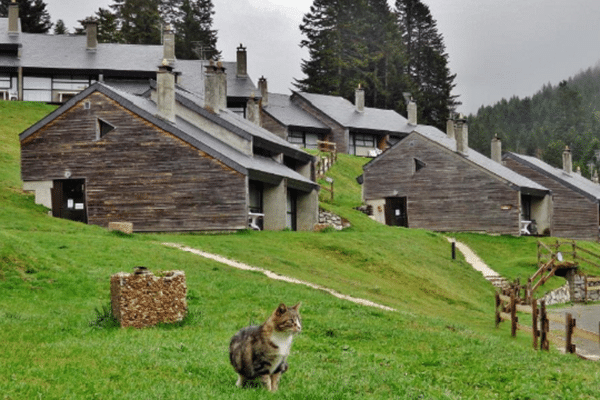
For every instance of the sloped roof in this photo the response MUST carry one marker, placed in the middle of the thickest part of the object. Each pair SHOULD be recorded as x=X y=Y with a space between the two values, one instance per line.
x=69 y=52
x=147 y=109
x=344 y=113
x=573 y=181
x=235 y=123
x=487 y=164
x=283 y=110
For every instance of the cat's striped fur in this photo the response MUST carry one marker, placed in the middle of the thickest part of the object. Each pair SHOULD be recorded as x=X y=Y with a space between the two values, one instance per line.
x=261 y=351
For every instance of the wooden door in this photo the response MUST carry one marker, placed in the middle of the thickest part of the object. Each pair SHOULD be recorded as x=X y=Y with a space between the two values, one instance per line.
x=68 y=199
x=396 y=211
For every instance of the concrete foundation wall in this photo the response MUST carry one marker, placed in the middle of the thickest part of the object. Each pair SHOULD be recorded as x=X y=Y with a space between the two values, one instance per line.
x=42 y=190
x=378 y=210
x=307 y=210
x=274 y=206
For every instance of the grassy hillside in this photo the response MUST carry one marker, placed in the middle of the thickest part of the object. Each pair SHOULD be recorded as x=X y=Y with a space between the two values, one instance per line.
x=440 y=344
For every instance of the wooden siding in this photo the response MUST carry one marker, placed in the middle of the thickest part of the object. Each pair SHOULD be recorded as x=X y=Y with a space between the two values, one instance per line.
x=269 y=123
x=136 y=173
x=448 y=194
x=338 y=135
x=574 y=215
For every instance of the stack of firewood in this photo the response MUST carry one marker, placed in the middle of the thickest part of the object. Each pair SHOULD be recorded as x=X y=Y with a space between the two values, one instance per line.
x=142 y=299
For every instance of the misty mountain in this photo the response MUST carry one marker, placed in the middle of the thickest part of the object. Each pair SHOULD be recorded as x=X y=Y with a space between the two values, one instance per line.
x=567 y=114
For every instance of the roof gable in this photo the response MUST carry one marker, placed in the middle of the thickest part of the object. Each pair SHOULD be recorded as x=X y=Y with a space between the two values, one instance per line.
x=344 y=113
x=475 y=158
x=572 y=181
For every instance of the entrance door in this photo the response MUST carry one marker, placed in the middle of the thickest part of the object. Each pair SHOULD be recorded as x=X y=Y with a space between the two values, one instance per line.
x=68 y=199
x=395 y=211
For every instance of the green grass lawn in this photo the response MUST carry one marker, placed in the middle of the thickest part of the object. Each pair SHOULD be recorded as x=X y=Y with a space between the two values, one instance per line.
x=441 y=344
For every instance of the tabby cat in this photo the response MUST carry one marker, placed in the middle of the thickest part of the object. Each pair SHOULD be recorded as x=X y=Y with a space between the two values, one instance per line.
x=261 y=351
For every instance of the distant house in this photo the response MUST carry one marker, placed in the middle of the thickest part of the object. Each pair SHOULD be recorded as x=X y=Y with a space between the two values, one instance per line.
x=54 y=68
x=304 y=118
x=576 y=211
x=434 y=181
x=168 y=161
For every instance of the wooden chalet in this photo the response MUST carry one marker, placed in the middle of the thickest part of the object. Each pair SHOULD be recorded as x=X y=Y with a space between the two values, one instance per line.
x=304 y=118
x=576 y=200
x=54 y=68
x=434 y=181
x=167 y=161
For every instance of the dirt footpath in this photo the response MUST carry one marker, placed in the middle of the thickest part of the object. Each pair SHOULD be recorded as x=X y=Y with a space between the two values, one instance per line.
x=587 y=317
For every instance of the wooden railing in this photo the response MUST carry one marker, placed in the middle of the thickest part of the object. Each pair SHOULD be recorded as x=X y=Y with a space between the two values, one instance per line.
x=508 y=306
x=326 y=157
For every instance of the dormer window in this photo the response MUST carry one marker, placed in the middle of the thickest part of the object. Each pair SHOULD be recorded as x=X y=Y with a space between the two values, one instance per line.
x=103 y=128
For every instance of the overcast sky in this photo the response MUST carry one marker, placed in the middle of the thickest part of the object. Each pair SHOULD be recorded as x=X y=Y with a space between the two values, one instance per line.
x=497 y=49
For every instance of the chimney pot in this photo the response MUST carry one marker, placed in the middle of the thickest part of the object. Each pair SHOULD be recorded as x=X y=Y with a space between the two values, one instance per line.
x=169 y=44
x=215 y=87
x=461 y=130
x=497 y=149
x=165 y=82
x=567 y=161
x=359 y=99
x=412 y=112
x=91 y=29
x=264 y=92
x=450 y=129
x=13 y=18
x=242 y=62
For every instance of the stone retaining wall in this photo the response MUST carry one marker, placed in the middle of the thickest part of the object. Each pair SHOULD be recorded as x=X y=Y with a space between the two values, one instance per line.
x=327 y=218
x=573 y=290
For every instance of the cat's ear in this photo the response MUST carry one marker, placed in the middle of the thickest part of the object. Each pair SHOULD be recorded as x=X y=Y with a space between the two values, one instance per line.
x=281 y=309
x=297 y=306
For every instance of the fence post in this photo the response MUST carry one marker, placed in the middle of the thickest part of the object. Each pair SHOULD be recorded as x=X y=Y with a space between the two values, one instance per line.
x=498 y=309
x=534 y=323
x=513 y=314
x=569 y=325
x=545 y=325
x=585 y=286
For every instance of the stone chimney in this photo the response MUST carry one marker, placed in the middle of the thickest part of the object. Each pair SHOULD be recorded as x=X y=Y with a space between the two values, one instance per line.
x=169 y=44
x=264 y=92
x=595 y=177
x=497 y=149
x=242 y=62
x=461 y=130
x=578 y=171
x=359 y=99
x=215 y=87
x=91 y=29
x=567 y=161
x=253 y=110
x=165 y=100
x=450 y=128
x=13 y=18
x=412 y=112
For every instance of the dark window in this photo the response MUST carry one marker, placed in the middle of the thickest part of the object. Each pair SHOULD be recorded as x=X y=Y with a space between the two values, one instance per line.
x=526 y=207
x=103 y=128
x=419 y=165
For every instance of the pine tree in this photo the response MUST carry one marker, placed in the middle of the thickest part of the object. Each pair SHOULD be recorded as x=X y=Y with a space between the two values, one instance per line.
x=333 y=33
x=33 y=14
x=194 y=37
x=427 y=62
x=60 y=28
x=354 y=42
x=139 y=21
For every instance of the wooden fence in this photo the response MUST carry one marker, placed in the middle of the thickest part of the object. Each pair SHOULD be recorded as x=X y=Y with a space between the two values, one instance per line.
x=326 y=157
x=508 y=306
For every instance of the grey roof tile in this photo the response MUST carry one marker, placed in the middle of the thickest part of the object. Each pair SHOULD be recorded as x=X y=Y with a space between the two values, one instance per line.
x=572 y=180
x=282 y=109
x=344 y=112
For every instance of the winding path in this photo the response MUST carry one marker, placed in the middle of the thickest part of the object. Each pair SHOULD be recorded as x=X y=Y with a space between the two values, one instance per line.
x=273 y=275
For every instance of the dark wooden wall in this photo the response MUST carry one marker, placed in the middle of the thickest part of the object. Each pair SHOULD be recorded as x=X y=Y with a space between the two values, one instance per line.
x=448 y=194
x=137 y=173
x=339 y=135
x=272 y=125
x=574 y=215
